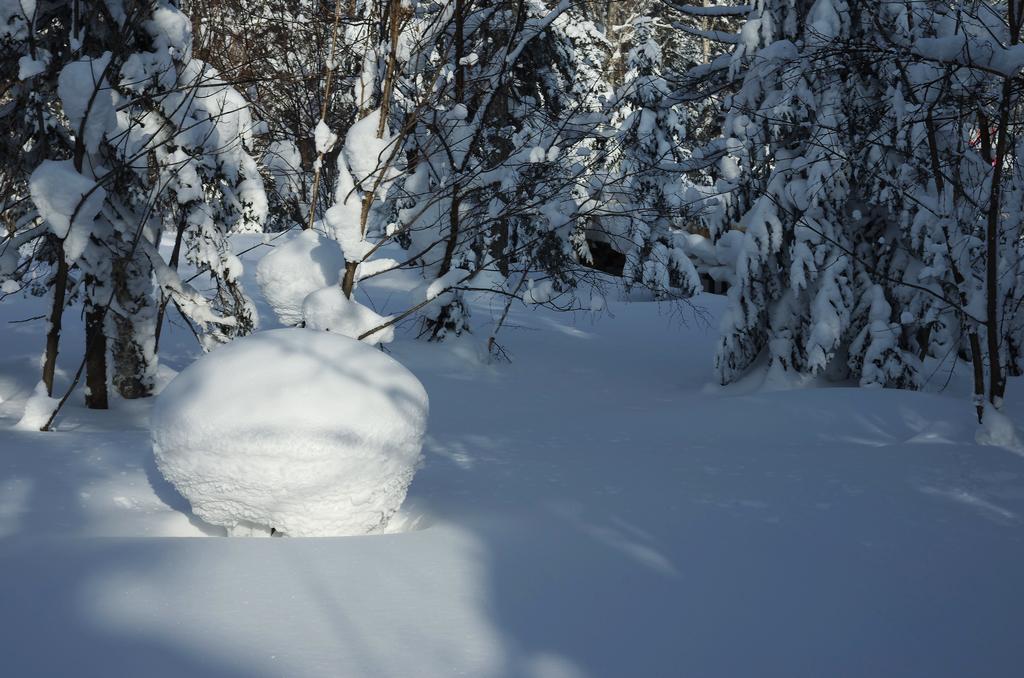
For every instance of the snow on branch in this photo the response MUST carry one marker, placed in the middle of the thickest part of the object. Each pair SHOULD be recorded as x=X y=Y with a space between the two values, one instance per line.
x=712 y=35
x=971 y=52
x=712 y=10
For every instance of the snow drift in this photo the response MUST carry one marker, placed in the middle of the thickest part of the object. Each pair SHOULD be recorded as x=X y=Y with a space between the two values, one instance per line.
x=311 y=433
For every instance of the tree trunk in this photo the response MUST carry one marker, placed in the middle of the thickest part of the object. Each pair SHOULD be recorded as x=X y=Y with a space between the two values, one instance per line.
x=395 y=19
x=348 y=282
x=979 y=375
x=60 y=284
x=977 y=357
x=453 y=232
x=133 y=315
x=997 y=381
x=328 y=78
x=460 y=85
x=395 y=16
x=95 y=359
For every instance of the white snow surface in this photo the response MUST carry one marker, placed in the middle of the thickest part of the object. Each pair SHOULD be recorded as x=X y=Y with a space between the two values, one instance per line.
x=296 y=268
x=595 y=508
x=307 y=432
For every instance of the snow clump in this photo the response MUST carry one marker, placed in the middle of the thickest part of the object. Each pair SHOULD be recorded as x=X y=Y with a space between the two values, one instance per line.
x=330 y=310
x=309 y=433
x=306 y=263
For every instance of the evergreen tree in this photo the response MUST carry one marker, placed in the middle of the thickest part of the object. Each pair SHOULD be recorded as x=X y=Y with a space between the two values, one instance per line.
x=127 y=137
x=867 y=166
x=786 y=184
x=648 y=186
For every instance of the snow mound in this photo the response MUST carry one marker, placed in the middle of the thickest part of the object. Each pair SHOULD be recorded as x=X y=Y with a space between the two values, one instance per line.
x=38 y=409
x=997 y=430
x=293 y=270
x=328 y=309
x=310 y=433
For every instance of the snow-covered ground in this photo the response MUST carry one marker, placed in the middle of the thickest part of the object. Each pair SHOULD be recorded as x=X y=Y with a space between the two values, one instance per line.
x=594 y=508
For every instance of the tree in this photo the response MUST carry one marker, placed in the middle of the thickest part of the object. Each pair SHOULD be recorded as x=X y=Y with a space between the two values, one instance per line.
x=476 y=158
x=129 y=137
x=863 y=168
x=649 y=189
x=296 y=62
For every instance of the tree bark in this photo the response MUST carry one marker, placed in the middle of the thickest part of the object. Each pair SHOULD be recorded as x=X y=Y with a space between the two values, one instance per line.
x=395 y=19
x=95 y=359
x=977 y=357
x=60 y=284
x=460 y=91
x=997 y=381
x=132 y=318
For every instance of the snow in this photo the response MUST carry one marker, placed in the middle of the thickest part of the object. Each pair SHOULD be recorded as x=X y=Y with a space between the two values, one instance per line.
x=443 y=284
x=29 y=67
x=376 y=267
x=170 y=28
x=295 y=269
x=359 y=164
x=997 y=430
x=38 y=409
x=714 y=10
x=328 y=309
x=307 y=432
x=85 y=94
x=539 y=292
x=588 y=509
x=28 y=7
x=983 y=52
x=824 y=20
x=68 y=202
x=343 y=218
x=284 y=162
x=364 y=152
x=324 y=137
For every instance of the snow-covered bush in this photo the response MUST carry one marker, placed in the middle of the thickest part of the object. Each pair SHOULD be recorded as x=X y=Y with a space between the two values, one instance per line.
x=330 y=310
x=310 y=433
x=294 y=270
